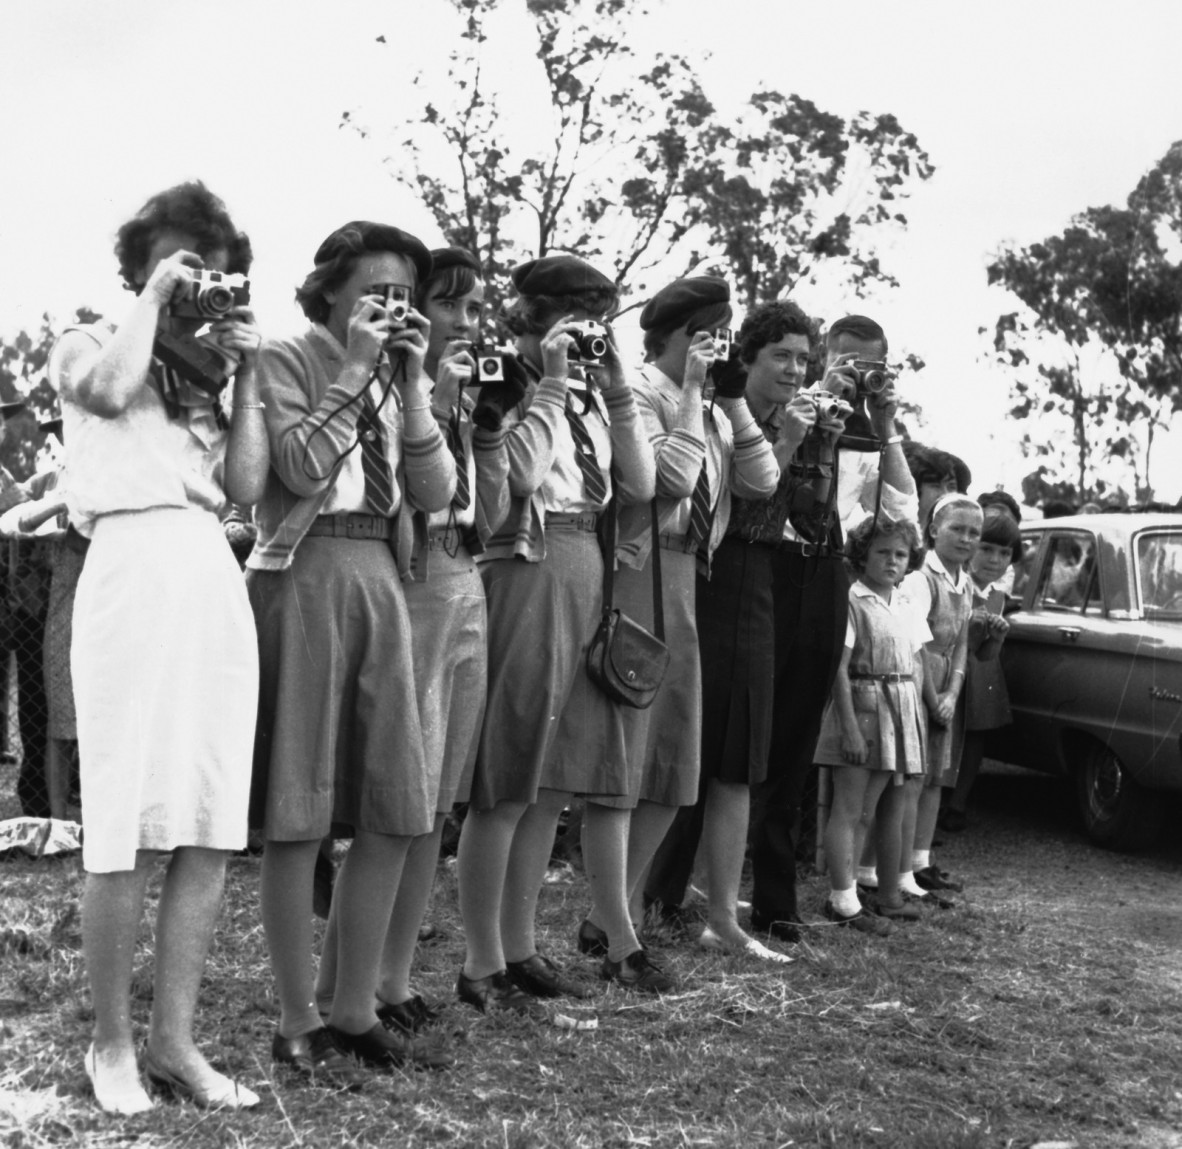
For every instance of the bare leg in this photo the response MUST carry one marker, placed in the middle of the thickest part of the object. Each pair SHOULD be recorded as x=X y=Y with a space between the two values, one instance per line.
x=482 y=861
x=724 y=840
x=365 y=889
x=925 y=822
x=850 y=786
x=528 y=860
x=112 y=905
x=286 y=898
x=889 y=840
x=605 y=854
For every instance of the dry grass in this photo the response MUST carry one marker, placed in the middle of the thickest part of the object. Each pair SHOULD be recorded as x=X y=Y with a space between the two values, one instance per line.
x=1041 y=1010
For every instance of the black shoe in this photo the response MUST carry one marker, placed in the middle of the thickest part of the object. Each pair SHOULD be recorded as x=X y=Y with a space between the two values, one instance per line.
x=383 y=1047
x=317 y=1057
x=933 y=878
x=784 y=927
x=638 y=973
x=496 y=992
x=541 y=977
x=933 y=900
x=409 y=1016
x=592 y=940
x=863 y=922
x=907 y=912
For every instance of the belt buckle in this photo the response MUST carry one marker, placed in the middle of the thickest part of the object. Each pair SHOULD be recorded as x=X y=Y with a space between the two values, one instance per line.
x=808 y=549
x=356 y=527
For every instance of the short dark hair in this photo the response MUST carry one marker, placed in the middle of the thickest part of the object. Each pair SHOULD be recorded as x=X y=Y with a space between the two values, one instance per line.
x=858 y=327
x=862 y=536
x=1001 y=529
x=771 y=322
x=1001 y=499
x=708 y=318
x=447 y=283
x=191 y=209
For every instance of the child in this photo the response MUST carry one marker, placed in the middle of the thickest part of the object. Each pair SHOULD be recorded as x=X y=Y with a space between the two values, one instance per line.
x=873 y=729
x=987 y=705
x=941 y=592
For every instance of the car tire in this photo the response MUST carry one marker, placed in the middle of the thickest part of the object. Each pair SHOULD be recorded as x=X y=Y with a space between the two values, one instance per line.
x=1118 y=813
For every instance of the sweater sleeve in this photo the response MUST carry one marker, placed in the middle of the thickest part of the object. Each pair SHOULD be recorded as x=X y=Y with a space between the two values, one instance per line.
x=677 y=454
x=430 y=470
x=530 y=441
x=755 y=473
x=492 y=481
x=307 y=441
x=633 y=466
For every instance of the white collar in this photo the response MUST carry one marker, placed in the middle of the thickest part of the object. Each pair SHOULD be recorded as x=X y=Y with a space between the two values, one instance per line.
x=932 y=560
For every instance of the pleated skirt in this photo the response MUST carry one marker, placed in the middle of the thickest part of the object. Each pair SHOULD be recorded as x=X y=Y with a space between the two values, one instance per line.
x=448 y=623
x=736 y=641
x=165 y=674
x=546 y=725
x=338 y=747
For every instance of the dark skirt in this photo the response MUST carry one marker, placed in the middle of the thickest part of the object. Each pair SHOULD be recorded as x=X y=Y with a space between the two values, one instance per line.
x=338 y=746
x=665 y=741
x=546 y=725
x=736 y=641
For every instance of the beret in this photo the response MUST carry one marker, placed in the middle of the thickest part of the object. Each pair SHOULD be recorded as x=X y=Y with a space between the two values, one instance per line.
x=681 y=299
x=559 y=275
x=7 y=410
x=361 y=235
x=444 y=257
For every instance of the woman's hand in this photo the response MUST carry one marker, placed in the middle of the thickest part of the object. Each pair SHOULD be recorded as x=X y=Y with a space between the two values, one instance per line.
x=945 y=707
x=456 y=369
x=367 y=331
x=699 y=358
x=800 y=416
x=238 y=336
x=853 y=747
x=556 y=347
x=171 y=278
x=610 y=374
x=410 y=342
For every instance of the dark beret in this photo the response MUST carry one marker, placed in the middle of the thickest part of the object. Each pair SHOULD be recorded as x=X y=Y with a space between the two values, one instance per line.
x=444 y=257
x=361 y=235
x=559 y=275
x=7 y=410
x=681 y=299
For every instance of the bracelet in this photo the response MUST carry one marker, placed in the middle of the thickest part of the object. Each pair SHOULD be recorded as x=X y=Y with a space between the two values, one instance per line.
x=249 y=406
x=893 y=440
x=960 y=672
x=420 y=407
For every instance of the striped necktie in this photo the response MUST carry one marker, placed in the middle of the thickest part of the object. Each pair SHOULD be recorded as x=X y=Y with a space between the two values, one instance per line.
x=375 y=466
x=593 y=483
x=701 y=510
x=463 y=495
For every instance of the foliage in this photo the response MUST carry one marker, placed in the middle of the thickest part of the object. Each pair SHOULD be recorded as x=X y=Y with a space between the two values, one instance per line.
x=639 y=171
x=1099 y=342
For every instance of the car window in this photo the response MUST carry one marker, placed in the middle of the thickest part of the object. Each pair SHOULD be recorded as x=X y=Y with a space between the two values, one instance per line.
x=1068 y=580
x=1159 y=573
x=1024 y=567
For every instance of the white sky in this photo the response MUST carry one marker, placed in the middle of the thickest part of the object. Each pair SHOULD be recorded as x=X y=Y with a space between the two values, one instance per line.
x=1031 y=111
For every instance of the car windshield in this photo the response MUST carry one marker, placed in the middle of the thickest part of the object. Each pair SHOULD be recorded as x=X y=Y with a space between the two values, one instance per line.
x=1159 y=572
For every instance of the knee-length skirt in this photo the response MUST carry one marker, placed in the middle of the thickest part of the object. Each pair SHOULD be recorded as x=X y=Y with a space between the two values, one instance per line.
x=546 y=724
x=449 y=635
x=339 y=747
x=165 y=677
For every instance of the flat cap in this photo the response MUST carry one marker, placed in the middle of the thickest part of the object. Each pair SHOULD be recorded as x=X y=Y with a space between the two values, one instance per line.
x=559 y=275
x=362 y=235
x=444 y=257
x=681 y=299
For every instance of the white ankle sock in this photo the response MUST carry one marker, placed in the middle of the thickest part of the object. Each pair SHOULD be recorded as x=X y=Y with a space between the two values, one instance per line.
x=845 y=902
x=868 y=876
x=921 y=859
x=908 y=884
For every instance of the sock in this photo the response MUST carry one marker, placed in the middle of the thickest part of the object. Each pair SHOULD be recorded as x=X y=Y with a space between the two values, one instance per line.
x=868 y=876
x=908 y=884
x=845 y=902
x=921 y=859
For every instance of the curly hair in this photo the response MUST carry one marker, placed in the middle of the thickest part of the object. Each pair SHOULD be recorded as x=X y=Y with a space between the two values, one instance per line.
x=931 y=465
x=536 y=314
x=190 y=209
x=708 y=318
x=860 y=539
x=771 y=322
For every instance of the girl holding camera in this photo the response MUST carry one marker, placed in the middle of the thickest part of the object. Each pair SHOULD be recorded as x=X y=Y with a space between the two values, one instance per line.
x=163 y=656
x=549 y=732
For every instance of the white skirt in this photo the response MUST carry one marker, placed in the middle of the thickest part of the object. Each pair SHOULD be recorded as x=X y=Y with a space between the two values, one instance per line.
x=165 y=666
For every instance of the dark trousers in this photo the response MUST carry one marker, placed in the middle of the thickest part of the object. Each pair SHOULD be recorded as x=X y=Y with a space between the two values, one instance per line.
x=811 y=606
x=28 y=639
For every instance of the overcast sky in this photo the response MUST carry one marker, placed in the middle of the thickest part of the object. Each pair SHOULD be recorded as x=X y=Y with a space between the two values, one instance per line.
x=1030 y=111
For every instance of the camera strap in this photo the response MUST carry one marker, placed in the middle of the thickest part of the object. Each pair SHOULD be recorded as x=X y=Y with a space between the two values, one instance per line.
x=609 y=565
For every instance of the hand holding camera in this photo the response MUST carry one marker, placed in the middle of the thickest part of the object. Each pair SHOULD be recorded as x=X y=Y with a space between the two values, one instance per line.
x=698 y=358
x=498 y=396
x=172 y=278
x=456 y=370
x=237 y=335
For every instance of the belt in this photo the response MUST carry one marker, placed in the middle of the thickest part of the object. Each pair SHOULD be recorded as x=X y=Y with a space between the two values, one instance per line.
x=445 y=539
x=882 y=677
x=584 y=521
x=681 y=543
x=352 y=525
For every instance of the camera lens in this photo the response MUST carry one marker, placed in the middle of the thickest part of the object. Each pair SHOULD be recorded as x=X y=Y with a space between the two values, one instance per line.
x=215 y=300
x=491 y=366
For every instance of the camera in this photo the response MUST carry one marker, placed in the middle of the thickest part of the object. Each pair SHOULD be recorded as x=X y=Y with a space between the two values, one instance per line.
x=590 y=341
x=211 y=295
x=830 y=406
x=724 y=342
x=490 y=363
x=872 y=375
x=397 y=304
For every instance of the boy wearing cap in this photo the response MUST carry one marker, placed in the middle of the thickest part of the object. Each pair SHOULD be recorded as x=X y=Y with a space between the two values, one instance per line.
x=339 y=747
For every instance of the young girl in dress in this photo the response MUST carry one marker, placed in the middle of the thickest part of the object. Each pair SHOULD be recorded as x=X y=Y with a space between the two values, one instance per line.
x=872 y=733
x=987 y=705
x=942 y=593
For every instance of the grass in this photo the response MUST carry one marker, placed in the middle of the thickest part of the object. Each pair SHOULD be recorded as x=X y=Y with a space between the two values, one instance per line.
x=1044 y=1009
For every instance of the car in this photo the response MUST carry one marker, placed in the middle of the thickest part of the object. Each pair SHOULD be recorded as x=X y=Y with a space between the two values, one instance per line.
x=1093 y=665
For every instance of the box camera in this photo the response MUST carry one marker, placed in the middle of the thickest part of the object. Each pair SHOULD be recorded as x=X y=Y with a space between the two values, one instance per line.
x=211 y=295
x=872 y=375
x=590 y=341
x=397 y=305
x=490 y=364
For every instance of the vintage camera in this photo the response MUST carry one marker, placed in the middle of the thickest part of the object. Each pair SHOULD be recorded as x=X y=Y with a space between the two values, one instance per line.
x=211 y=295
x=590 y=341
x=490 y=363
x=397 y=302
x=724 y=342
x=872 y=375
x=830 y=406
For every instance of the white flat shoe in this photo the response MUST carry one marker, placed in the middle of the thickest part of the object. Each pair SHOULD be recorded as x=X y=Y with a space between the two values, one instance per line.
x=126 y=1102
x=709 y=940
